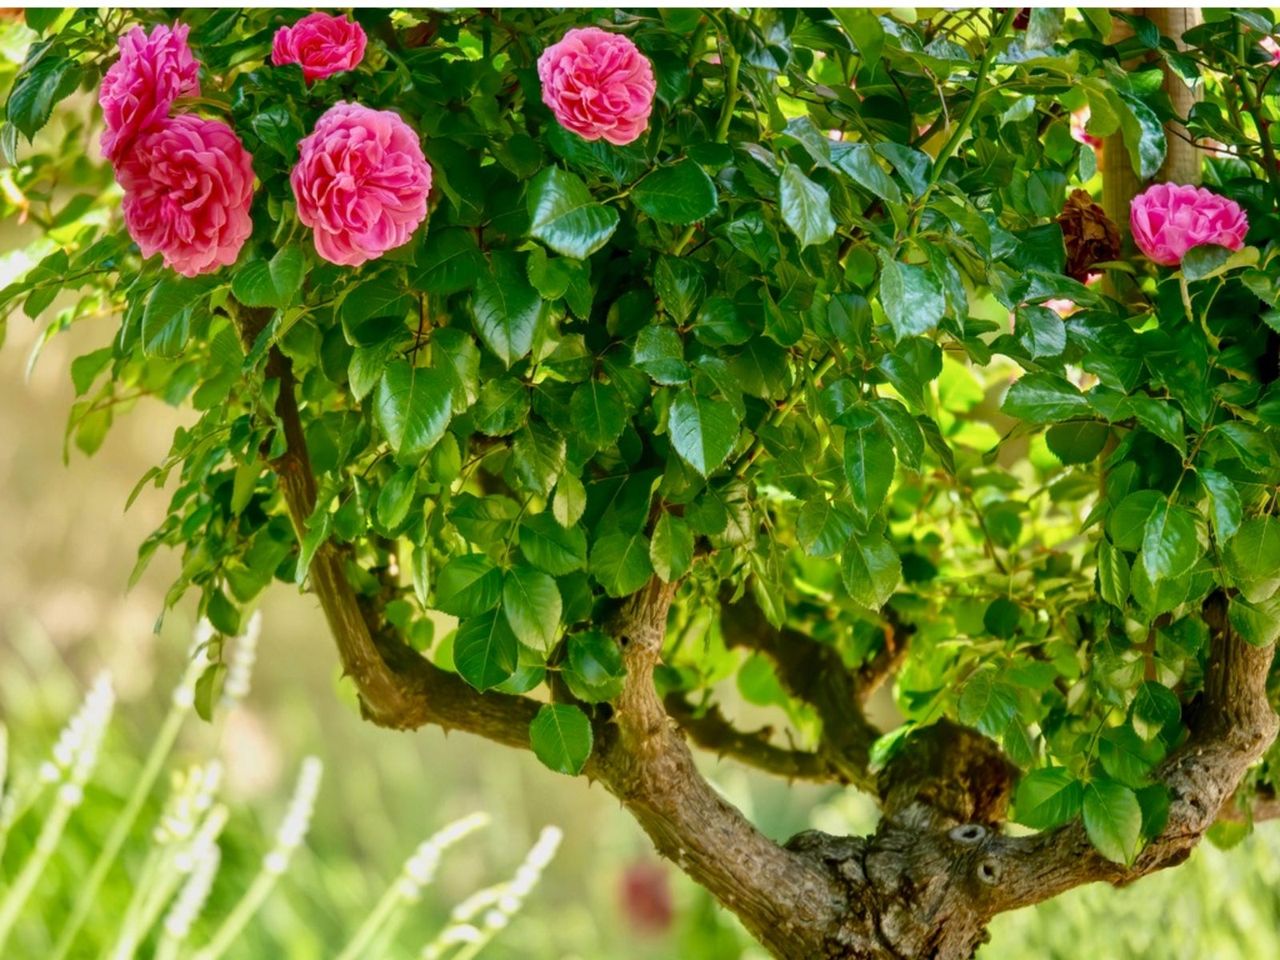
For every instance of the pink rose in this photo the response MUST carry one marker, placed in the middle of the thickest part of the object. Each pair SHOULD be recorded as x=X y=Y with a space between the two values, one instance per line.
x=598 y=84
x=321 y=44
x=1272 y=48
x=139 y=89
x=361 y=183
x=1169 y=219
x=188 y=186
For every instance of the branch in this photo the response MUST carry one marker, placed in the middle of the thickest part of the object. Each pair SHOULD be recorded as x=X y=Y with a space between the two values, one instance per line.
x=815 y=673
x=712 y=730
x=786 y=899
x=1232 y=725
x=397 y=687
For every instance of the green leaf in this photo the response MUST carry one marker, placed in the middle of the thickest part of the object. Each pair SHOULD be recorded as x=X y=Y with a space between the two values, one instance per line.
x=1161 y=418
x=703 y=431
x=538 y=454
x=507 y=310
x=381 y=296
x=681 y=193
x=502 y=407
x=551 y=547
x=32 y=99
x=208 y=690
x=824 y=526
x=166 y=318
x=1128 y=521
x=1001 y=617
x=1258 y=623
x=1253 y=557
x=1048 y=798
x=570 y=500
x=1077 y=441
x=468 y=585
x=561 y=737
x=1113 y=575
x=864 y=30
x=565 y=217
x=395 y=497
x=806 y=207
x=911 y=296
x=680 y=287
x=858 y=160
x=413 y=406
x=449 y=261
x=1154 y=707
x=1224 y=499
x=595 y=670
x=1044 y=398
x=620 y=563
x=671 y=551
x=1144 y=136
x=1041 y=331
x=599 y=413
x=485 y=651
x=868 y=465
x=278 y=129
x=659 y=352
x=275 y=283
x=871 y=570
x=986 y=702
x=1128 y=758
x=532 y=605
x=1113 y=820
x=1169 y=543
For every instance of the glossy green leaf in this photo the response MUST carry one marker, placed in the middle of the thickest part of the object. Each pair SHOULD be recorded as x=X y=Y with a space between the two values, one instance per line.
x=507 y=310
x=703 y=431
x=870 y=569
x=620 y=563
x=911 y=296
x=532 y=605
x=806 y=207
x=468 y=585
x=681 y=194
x=561 y=738
x=413 y=406
x=1113 y=820
x=485 y=651
x=565 y=216
x=1048 y=798
x=671 y=550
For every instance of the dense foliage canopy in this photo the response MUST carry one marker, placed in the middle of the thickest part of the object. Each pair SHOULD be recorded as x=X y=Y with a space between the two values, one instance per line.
x=831 y=348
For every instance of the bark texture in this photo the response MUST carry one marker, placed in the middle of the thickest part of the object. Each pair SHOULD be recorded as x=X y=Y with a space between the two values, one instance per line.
x=936 y=870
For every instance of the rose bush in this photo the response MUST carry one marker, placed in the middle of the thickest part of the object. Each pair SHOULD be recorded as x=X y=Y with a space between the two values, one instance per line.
x=601 y=371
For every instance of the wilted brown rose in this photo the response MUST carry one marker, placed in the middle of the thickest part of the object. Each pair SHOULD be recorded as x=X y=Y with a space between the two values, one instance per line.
x=1090 y=237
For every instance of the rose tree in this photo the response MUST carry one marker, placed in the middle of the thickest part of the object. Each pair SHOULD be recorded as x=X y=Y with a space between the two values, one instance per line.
x=586 y=365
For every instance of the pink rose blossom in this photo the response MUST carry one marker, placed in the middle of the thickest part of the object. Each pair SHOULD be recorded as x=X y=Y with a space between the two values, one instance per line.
x=139 y=89
x=1169 y=219
x=361 y=183
x=1272 y=48
x=321 y=44
x=188 y=186
x=598 y=84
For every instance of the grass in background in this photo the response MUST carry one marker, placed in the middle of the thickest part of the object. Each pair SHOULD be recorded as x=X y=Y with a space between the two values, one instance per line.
x=180 y=848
